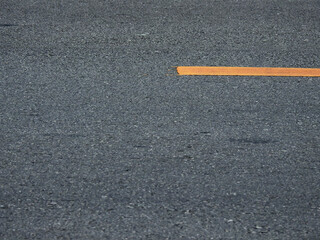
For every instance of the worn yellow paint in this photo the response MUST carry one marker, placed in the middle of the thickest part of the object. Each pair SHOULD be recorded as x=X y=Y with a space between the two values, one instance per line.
x=248 y=71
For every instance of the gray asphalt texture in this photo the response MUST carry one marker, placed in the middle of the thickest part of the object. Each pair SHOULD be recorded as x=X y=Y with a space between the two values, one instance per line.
x=100 y=139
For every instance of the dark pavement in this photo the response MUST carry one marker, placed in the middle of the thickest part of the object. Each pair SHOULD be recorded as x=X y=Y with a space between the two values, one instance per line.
x=100 y=139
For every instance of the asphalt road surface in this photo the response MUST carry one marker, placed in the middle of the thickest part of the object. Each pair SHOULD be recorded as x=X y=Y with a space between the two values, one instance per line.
x=100 y=139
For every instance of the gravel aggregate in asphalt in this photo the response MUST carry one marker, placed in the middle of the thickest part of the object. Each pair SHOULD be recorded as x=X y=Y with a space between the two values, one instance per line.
x=100 y=139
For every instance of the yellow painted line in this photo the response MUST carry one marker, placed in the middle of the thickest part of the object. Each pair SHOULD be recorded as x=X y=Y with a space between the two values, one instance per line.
x=249 y=71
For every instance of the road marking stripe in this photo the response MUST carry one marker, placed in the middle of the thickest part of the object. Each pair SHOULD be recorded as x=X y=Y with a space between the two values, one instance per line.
x=249 y=71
